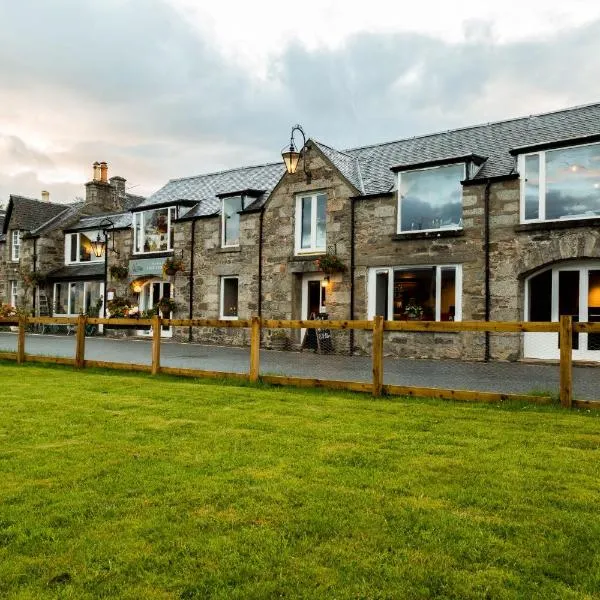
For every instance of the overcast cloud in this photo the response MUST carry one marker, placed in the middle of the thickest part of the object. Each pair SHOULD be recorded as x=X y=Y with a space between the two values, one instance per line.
x=154 y=88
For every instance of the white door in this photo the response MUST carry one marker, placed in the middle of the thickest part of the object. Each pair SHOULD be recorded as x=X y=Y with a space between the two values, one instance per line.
x=150 y=295
x=567 y=289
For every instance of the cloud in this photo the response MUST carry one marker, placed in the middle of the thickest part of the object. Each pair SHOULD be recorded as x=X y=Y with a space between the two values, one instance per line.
x=133 y=83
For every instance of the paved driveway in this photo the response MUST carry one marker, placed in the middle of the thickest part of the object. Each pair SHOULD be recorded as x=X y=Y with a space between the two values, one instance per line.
x=494 y=377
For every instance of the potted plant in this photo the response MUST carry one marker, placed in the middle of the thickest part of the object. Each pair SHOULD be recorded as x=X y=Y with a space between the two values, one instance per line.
x=330 y=263
x=172 y=266
x=413 y=311
x=118 y=272
x=166 y=306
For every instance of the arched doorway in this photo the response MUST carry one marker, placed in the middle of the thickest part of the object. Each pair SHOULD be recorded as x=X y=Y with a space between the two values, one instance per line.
x=151 y=293
x=570 y=288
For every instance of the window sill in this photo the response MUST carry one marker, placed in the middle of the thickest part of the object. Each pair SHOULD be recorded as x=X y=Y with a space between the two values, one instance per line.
x=228 y=318
x=153 y=254
x=309 y=254
x=226 y=249
x=560 y=224
x=425 y=235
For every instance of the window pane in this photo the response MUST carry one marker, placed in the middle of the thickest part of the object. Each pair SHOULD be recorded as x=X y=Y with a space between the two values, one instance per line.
x=321 y=220
x=306 y=222
x=540 y=297
x=73 y=252
x=230 y=297
x=137 y=220
x=568 y=298
x=92 y=297
x=381 y=295
x=532 y=186
x=414 y=294
x=231 y=208
x=431 y=199
x=76 y=305
x=594 y=307
x=573 y=182
x=85 y=247
x=448 y=295
x=156 y=227
x=60 y=298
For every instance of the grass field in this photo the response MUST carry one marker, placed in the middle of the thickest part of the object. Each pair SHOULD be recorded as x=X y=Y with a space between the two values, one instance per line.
x=126 y=486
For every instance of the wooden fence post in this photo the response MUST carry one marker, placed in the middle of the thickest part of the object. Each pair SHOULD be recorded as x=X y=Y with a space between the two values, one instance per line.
x=566 y=360
x=377 y=355
x=254 y=349
x=21 y=340
x=156 y=327
x=80 y=342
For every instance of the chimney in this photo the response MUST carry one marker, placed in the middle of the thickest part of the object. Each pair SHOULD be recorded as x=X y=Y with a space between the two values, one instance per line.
x=96 y=176
x=45 y=196
x=103 y=172
x=118 y=184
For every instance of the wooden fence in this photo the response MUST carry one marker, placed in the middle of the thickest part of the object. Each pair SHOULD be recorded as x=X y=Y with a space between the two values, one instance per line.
x=565 y=328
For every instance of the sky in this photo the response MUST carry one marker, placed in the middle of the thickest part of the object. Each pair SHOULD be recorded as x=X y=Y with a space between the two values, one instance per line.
x=172 y=88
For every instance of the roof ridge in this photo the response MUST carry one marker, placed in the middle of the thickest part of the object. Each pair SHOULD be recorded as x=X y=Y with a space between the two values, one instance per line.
x=468 y=127
x=271 y=164
x=344 y=152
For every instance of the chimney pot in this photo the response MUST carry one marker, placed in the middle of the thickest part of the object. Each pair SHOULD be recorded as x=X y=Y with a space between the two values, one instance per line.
x=96 y=167
x=103 y=172
x=45 y=196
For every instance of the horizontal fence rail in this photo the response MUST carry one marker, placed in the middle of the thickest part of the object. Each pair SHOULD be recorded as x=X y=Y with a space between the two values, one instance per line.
x=565 y=328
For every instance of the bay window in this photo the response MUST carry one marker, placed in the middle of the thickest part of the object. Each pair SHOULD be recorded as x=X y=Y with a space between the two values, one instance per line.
x=78 y=247
x=430 y=199
x=560 y=184
x=77 y=297
x=416 y=293
x=152 y=230
x=311 y=213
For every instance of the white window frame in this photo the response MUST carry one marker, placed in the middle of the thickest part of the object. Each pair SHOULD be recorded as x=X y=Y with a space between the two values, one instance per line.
x=542 y=187
x=69 y=246
x=69 y=313
x=222 y=298
x=14 y=292
x=458 y=283
x=171 y=214
x=223 y=200
x=15 y=245
x=313 y=249
x=399 y=230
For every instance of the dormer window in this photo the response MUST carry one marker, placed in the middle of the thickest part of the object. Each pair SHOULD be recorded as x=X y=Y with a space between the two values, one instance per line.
x=560 y=184
x=152 y=230
x=430 y=199
x=311 y=223
x=78 y=247
x=230 y=221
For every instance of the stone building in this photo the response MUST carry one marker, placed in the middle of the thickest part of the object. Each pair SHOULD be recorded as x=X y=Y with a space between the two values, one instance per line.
x=491 y=222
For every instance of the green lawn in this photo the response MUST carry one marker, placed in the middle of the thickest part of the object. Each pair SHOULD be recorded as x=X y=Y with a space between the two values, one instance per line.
x=127 y=486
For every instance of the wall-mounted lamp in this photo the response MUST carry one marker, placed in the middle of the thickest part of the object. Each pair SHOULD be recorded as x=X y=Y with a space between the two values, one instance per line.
x=325 y=281
x=98 y=246
x=291 y=156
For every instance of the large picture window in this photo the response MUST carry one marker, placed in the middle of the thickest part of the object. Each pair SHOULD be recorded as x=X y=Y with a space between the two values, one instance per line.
x=231 y=220
x=229 y=298
x=430 y=199
x=78 y=247
x=152 y=230
x=416 y=293
x=311 y=216
x=77 y=297
x=560 y=184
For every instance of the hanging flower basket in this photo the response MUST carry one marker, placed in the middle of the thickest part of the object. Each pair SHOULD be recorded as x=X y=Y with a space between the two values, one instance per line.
x=166 y=306
x=172 y=266
x=118 y=272
x=330 y=263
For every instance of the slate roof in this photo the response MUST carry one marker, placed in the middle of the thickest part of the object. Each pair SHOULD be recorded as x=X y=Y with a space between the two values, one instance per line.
x=28 y=213
x=205 y=188
x=120 y=221
x=493 y=140
x=91 y=270
x=131 y=201
x=347 y=165
x=60 y=221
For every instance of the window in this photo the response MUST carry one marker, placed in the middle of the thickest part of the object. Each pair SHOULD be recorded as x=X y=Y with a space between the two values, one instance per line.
x=77 y=297
x=229 y=298
x=152 y=231
x=16 y=245
x=311 y=211
x=560 y=184
x=422 y=293
x=14 y=293
x=78 y=247
x=430 y=199
x=231 y=220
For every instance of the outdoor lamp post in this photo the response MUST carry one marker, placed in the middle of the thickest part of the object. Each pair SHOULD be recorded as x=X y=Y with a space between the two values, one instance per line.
x=291 y=156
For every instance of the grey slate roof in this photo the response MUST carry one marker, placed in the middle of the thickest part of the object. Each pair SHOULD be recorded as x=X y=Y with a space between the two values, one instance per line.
x=60 y=221
x=131 y=201
x=346 y=164
x=28 y=213
x=204 y=188
x=91 y=270
x=119 y=220
x=494 y=140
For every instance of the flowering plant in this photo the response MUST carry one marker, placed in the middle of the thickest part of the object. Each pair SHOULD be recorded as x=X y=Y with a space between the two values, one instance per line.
x=172 y=265
x=118 y=272
x=413 y=310
x=330 y=263
x=6 y=310
x=166 y=305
